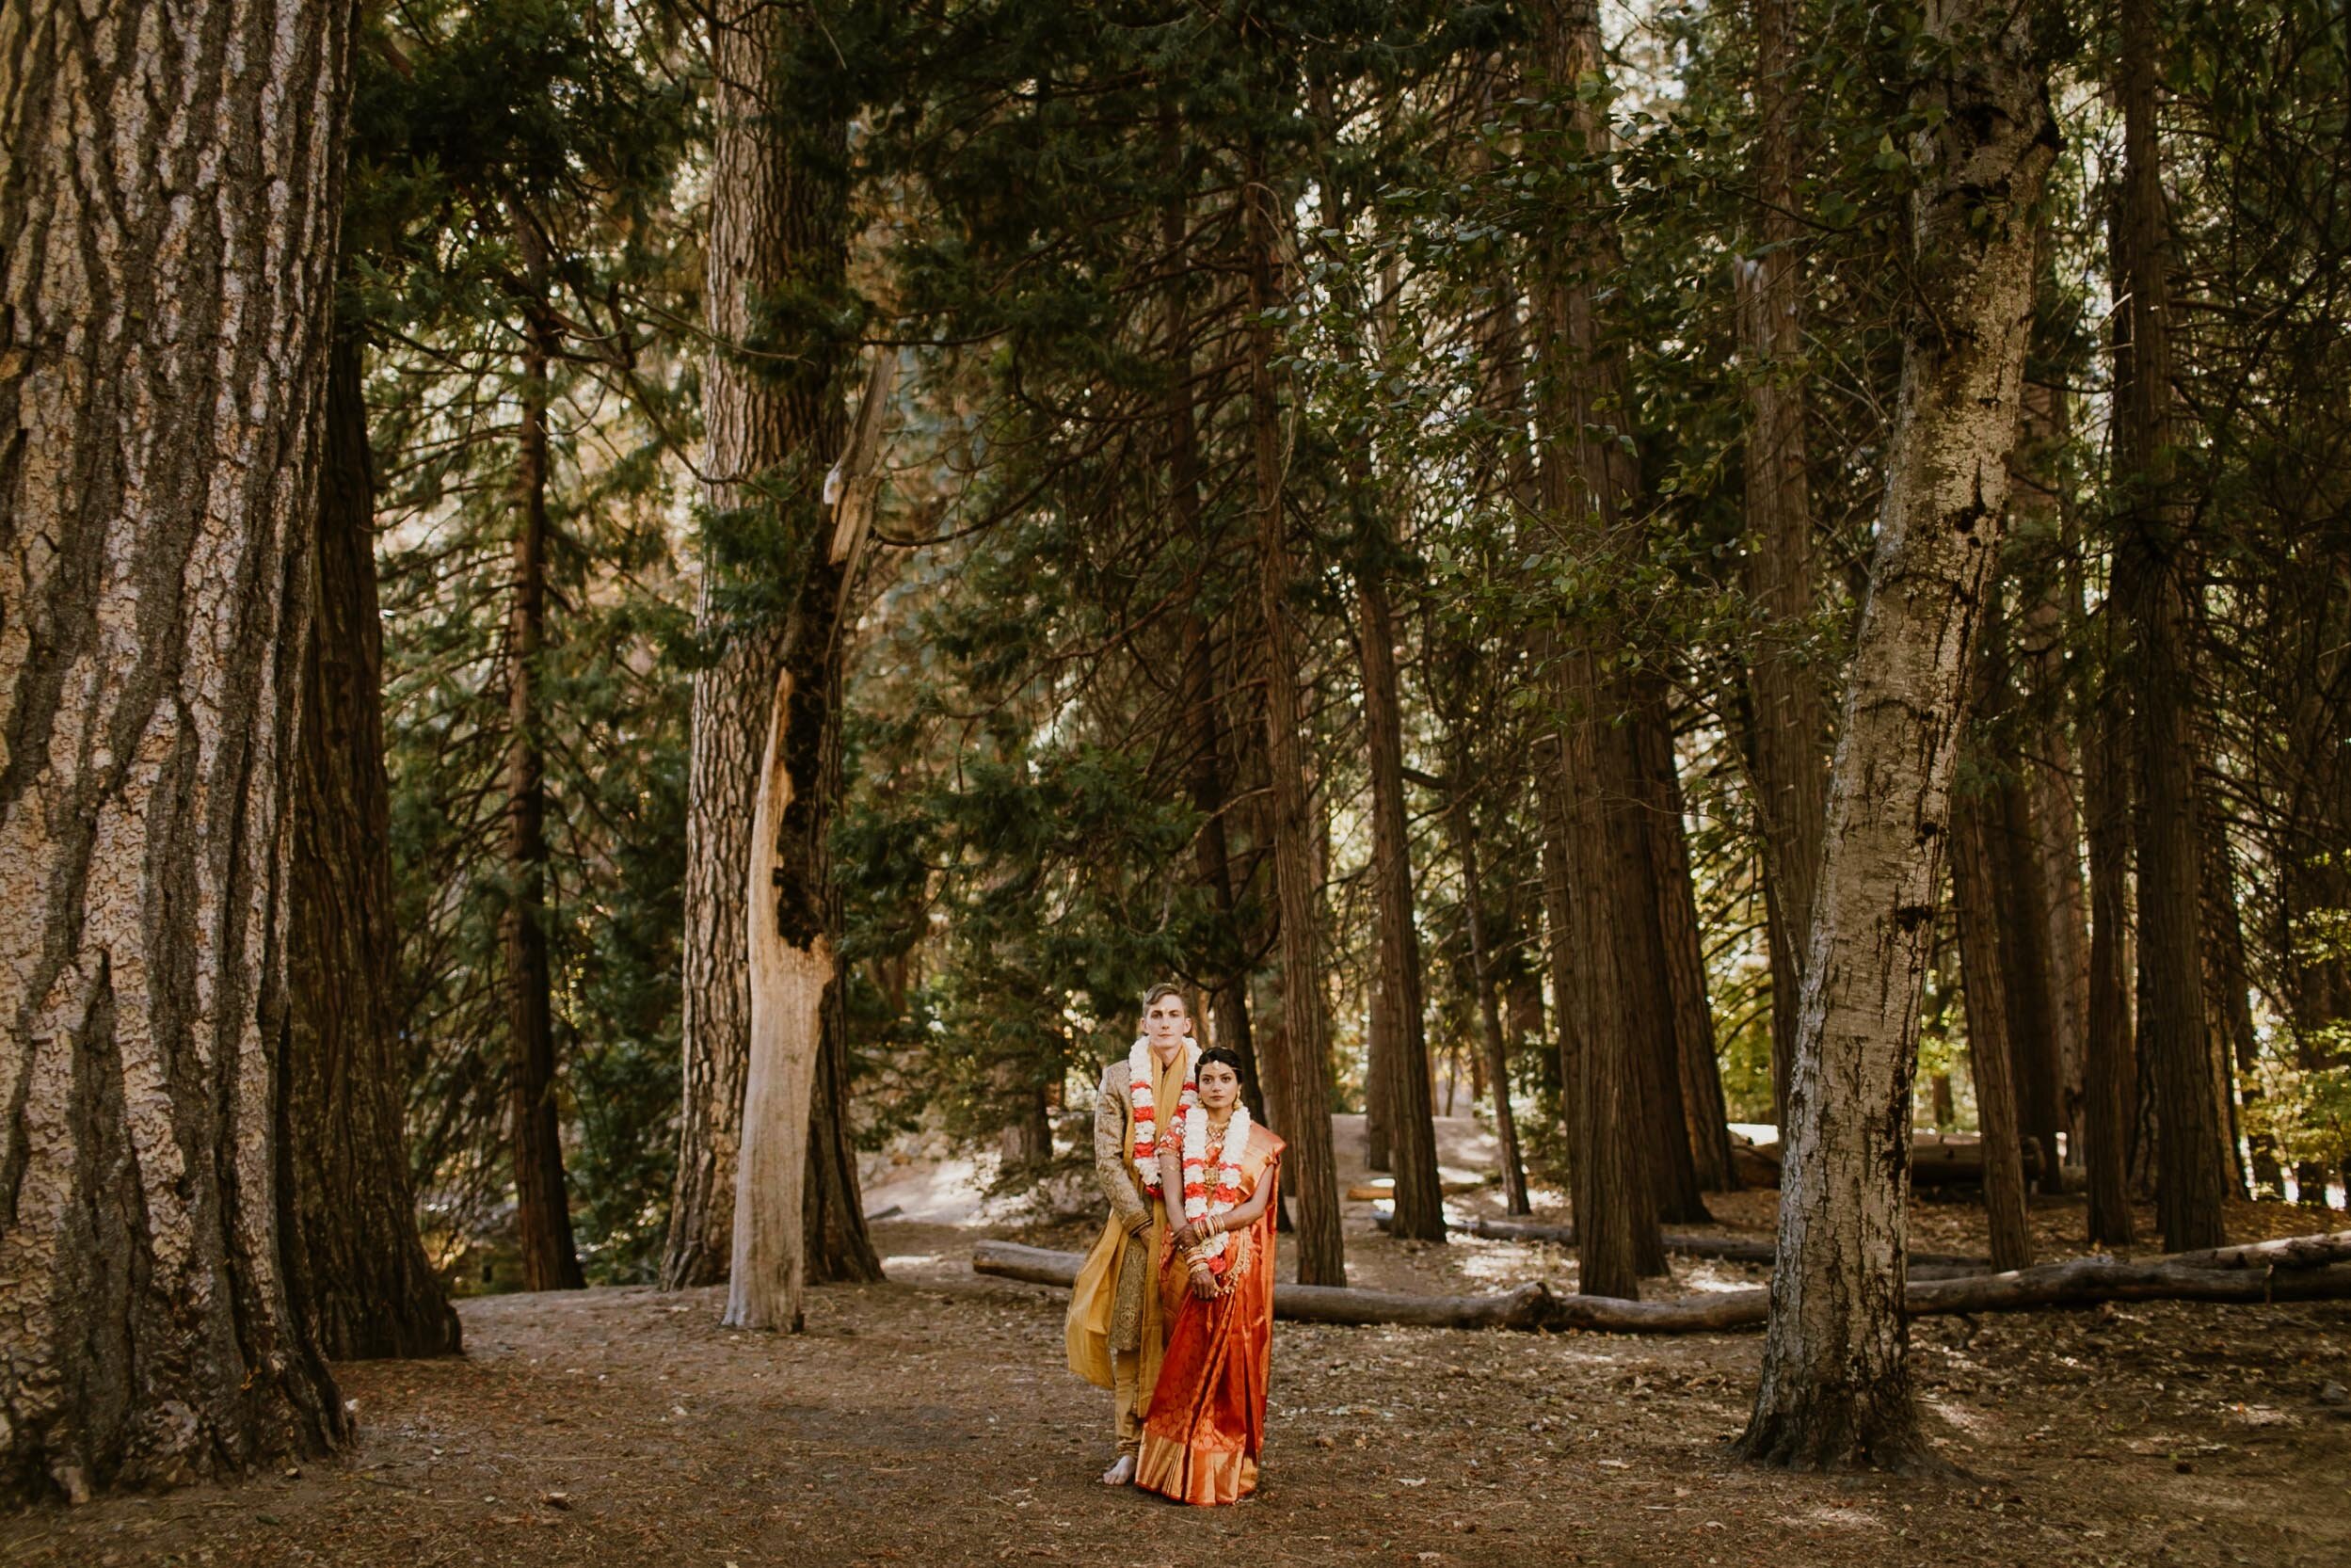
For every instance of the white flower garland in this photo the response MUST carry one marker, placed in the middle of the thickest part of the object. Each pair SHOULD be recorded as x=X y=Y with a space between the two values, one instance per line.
x=1203 y=1198
x=1139 y=1076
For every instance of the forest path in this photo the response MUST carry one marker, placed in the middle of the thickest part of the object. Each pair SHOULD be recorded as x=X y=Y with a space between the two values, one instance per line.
x=930 y=1420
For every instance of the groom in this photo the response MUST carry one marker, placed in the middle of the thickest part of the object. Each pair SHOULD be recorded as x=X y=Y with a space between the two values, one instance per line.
x=1115 y=1332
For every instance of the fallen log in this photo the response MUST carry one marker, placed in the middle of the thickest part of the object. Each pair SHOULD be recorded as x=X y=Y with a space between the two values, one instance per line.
x=2287 y=1252
x=2077 y=1282
x=1729 y=1249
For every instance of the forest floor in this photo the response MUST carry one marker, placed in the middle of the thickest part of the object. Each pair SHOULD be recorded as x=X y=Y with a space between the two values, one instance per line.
x=930 y=1420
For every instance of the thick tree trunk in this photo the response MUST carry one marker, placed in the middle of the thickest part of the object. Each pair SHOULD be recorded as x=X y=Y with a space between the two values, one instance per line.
x=1682 y=954
x=1589 y=485
x=2150 y=588
x=1835 y=1388
x=170 y=198
x=1296 y=1073
x=797 y=1009
x=542 y=1208
x=1791 y=722
x=1990 y=1054
x=354 y=1264
x=777 y=222
x=1204 y=704
x=1397 y=985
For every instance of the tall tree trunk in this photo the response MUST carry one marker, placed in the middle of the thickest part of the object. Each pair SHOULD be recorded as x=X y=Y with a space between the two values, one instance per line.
x=354 y=1264
x=2053 y=860
x=2109 y=1074
x=1497 y=1056
x=2010 y=886
x=1296 y=1078
x=774 y=423
x=1589 y=484
x=798 y=1017
x=1397 y=985
x=1204 y=709
x=170 y=198
x=2237 y=1046
x=1983 y=955
x=1835 y=1388
x=2149 y=584
x=1558 y=922
x=1791 y=718
x=542 y=1208
x=1683 y=966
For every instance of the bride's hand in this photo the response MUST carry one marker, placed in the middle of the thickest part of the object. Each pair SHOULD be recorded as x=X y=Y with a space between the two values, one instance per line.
x=1203 y=1285
x=1186 y=1235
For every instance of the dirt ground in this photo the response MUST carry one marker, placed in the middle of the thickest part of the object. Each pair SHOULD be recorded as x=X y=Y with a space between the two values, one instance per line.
x=931 y=1420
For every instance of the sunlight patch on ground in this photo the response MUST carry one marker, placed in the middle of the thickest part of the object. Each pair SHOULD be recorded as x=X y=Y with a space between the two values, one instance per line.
x=1960 y=1417
x=1843 y=1518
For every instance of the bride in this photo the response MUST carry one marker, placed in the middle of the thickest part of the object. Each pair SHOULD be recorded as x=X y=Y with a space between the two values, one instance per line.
x=1207 y=1424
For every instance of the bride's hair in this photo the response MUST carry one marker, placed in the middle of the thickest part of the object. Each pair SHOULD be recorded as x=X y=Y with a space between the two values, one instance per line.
x=1226 y=1054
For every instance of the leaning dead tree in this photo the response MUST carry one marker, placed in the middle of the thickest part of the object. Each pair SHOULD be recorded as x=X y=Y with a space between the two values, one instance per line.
x=170 y=198
x=1835 y=1388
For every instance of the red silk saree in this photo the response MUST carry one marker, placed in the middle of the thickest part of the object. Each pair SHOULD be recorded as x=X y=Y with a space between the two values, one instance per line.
x=1208 y=1414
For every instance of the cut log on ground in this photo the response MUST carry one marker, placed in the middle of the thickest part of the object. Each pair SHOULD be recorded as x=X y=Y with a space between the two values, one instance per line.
x=2296 y=1268
x=1730 y=1249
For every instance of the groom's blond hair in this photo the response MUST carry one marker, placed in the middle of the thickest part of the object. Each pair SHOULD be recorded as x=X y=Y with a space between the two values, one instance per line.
x=1166 y=988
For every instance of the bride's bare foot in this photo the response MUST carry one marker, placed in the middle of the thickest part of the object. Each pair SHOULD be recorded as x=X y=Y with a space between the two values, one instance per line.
x=1122 y=1473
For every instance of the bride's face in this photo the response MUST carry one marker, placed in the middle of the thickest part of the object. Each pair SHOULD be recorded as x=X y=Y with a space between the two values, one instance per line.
x=1220 y=1087
x=1166 y=1021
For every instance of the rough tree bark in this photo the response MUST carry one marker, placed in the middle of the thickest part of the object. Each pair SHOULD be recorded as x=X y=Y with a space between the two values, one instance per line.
x=1397 y=1001
x=542 y=1208
x=1295 y=1074
x=1204 y=704
x=1791 y=719
x=1683 y=968
x=1991 y=1053
x=354 y=1264
x=1588 y=483
x=794 y=932
x=2151 y=563
x=773 y=422
x=1835 y=1388
x=2109 y=1076
x=170 y=198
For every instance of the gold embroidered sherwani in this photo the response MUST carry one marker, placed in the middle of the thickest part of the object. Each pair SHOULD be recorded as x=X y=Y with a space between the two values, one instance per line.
x=1116 y=1329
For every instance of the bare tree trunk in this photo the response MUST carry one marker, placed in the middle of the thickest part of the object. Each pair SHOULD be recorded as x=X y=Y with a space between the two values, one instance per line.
x=1791 y=718
x=794 y=930
x=354 y=1262
x=2150 y=567
x=2053 y=861
x=773 y=422
x=1683 y=959
x=1295 y=1084
x=1412 y=1135
x=1514 y=1200
x=2237 y=1046
x=542 y=1208
x=1991 y=1058
x=2109 y=1076
x=1835 y=1388
x=1589 y=485
x=170 y=197
x=1203 y=707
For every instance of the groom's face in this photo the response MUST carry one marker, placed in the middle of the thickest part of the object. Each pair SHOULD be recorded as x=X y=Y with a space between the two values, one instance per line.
x=1166 y=1021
